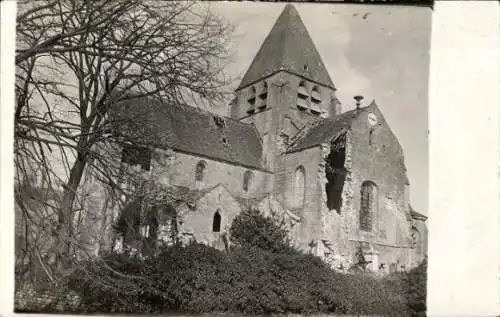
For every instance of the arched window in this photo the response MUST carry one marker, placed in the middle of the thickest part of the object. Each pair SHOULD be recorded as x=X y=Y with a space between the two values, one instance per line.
x=216 y=222
x=251 y=101
x=200 y=171
x=370 y=137
x=302 y=97
x=368 y=205
x=247 y=180
x=300 y=185
x=315 y=101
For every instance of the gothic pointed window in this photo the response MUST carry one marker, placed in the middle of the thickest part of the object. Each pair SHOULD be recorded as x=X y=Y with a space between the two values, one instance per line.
x=300 y=185
x=247 y=180
x=315 y=101
x=200 y=171
x=216 y=222
x=263 y=97
x=302 y=97
x=251 y=101
x=368 y=205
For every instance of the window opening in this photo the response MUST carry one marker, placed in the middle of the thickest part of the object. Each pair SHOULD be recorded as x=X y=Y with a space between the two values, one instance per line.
x=216 y=222
x=251 y=101
x=302 y=97
x=200 y=171
x=300 y=181
x=247 y=178
x=368 y=203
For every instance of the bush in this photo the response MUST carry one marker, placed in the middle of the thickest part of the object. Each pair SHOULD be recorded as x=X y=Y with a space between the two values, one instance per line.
x=111 y=284
x=261 y=275
x=252 y=229
x=200 y=279
x=417 y=289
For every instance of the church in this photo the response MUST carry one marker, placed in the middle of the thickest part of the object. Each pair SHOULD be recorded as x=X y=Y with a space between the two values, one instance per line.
x=286 y=148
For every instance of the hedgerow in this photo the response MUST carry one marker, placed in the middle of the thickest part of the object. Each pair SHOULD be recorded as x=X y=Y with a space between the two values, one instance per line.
x=249 y=279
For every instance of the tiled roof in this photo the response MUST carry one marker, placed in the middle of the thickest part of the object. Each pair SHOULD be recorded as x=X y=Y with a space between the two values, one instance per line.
x=188 y=129
x=322 y=131
x=288 y=47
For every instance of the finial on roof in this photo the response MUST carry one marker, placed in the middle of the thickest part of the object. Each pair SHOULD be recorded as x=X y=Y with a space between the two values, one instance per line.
x=358 y=99
x=373 y=103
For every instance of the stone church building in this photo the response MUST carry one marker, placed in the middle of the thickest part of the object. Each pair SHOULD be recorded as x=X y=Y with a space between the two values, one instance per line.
x=287 y=148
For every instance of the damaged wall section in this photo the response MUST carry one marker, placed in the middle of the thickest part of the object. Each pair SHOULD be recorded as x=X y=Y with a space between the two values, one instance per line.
x=335 y=173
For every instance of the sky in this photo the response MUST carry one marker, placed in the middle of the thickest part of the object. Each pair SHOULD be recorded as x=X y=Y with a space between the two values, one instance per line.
x=379 y=52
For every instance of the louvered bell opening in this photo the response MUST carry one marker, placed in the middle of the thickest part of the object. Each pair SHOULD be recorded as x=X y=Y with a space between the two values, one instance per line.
x=315 y=109
x=251 y=101
x=302 y=92
x=263 y=97
x=251 y=108
x=316 y=97
x=263 y=104
x=251 y=105
x=263 y=94
x=301 y=104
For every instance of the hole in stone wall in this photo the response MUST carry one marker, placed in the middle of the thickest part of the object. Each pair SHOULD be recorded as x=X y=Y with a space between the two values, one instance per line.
x=335 y=174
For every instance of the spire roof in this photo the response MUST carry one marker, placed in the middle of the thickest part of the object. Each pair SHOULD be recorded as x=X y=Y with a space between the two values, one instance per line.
x=288 y=47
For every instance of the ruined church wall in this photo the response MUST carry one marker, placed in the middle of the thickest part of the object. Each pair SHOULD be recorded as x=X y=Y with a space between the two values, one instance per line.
x=174 y=168
x=381 y=162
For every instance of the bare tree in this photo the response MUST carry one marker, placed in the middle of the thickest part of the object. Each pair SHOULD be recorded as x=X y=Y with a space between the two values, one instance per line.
x=77 y=59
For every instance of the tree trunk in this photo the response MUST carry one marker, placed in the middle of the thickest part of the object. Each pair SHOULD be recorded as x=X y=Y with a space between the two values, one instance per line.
x=66 y=212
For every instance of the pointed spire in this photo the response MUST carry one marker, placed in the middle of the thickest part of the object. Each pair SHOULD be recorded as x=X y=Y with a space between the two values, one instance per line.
x=288 y=47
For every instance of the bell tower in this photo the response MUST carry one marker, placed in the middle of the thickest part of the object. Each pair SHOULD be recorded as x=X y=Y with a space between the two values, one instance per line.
x=285 y=87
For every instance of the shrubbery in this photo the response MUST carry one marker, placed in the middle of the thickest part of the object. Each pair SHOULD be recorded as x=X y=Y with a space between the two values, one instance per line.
x=255 y=277
x=253 y=229
x=417 y=289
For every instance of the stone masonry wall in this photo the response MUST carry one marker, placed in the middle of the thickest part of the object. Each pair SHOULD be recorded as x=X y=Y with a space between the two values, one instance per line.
x=309 y=226
x=196 y=223
x=281 y=109
x=381 y=162
x=173 y=168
